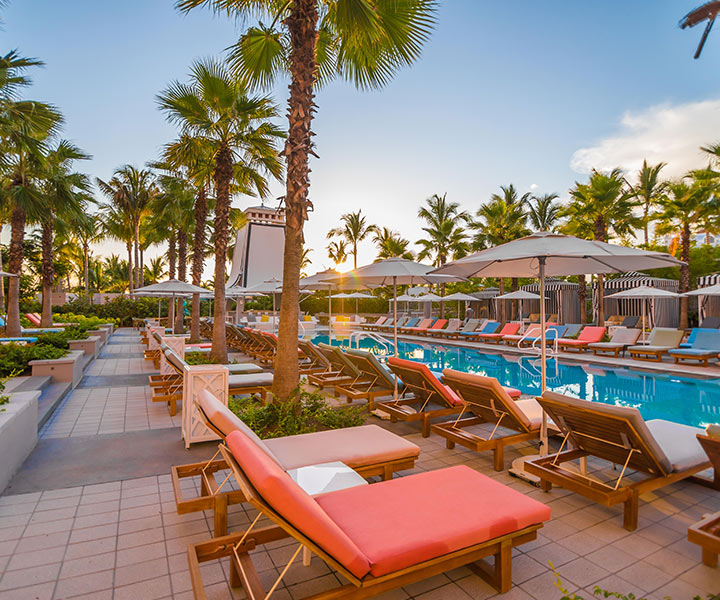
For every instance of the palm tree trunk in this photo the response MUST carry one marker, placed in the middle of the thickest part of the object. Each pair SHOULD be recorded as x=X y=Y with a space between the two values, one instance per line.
x=223 y=175
x=302 y=27
x=646 y=210
x=501 y=308
x=600 y=237
x=17 y=235
x=141 y=268
x=582 y=298
x=136 y=249
x=172 y=267
x=201 y=209
x=48 y=273
x=2 y=280
x=86 y=269
x=684 y=275
x=182 y=274
x=131 y=272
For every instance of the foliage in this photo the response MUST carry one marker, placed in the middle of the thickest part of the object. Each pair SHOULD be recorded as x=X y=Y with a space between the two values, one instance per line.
x=14 y=358
x=303 y=412
x=198 y=358
x=121 y=310
x=3 y=380
x=354 y=230
x=87 y=322
x=446 y=237
x=60 y=339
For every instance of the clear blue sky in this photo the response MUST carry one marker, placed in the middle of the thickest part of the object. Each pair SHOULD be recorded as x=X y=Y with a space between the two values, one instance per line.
x=505 y=92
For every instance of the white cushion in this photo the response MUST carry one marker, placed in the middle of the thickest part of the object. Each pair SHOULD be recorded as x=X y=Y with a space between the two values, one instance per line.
x=679 y=443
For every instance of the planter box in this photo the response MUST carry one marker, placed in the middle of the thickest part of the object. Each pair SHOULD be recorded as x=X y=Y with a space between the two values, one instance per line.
x=104 y=333
x=68 y=368
x=109 y=326
x=18 y=432
x=90 y=345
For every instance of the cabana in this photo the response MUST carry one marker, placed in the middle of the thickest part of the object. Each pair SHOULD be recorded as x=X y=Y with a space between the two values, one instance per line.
x=483 y=306
x=561 y=299
x=663 y=312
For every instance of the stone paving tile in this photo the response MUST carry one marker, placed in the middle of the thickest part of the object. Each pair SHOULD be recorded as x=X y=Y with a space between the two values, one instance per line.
x=125 y=540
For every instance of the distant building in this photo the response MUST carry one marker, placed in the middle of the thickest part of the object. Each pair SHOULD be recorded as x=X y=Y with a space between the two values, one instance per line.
x=701 y=238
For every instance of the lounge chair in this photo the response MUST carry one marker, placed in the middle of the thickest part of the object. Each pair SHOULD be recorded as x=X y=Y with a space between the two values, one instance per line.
x=688 y=343
x=706 y=532
x=371 y=326
x=474 y=336
x=666 y=452
x=630 y=322
x=378 y=537
x=376 y=381
x=589 y=335
x=23 y=341
x=572 y=330
x=36 y=319
x=341 y=371
x=421 y=326
x=514 y=420
x=614 y=321
x=620 y=341
x=710 y=323
x=531 y=331
x=388 y=326
x=369 y=450
x=453 y=325
x=552 y=333
x=705 y=346
x=534 y=318
x=430 y=399
x=437 y=325
x=495 y=338
x=660 y=342
x=469 y=327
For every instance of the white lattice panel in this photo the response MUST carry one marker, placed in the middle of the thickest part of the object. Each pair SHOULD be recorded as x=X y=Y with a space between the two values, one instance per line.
x=174 y=343
x=152 y=342
x=213 y=378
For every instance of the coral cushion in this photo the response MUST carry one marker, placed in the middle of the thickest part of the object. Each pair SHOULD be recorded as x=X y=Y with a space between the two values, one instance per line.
x=512 y=392
x=402 y=522
x=294 y=504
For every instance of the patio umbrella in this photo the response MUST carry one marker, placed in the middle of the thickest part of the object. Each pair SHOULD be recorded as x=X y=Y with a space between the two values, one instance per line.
x=270 y=286
x=552 y=254
x=519 y=295
x=357 y=296
x=711 y=290
x=428 y=298
x=172 y=288
x=460 y=297
x=319 y=282
x=644 y=292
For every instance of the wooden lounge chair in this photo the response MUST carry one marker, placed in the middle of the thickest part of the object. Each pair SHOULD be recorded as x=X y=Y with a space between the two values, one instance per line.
x=364 y=541
x=664 y=452
x=620 y=341
x=706 y=532
x=705 y=346
x=469 y=327
x=710 y=323
x=514 y=421
x=430 y=398
x=660 y=342
x=534 y=318
x=453 y=325
x=437 y=325
x=474 y=336
x=388 y=326
x=630 y=321
x=416 y=329
x=514 y=338
x=552 y=333
x=588 y=335
x=572 y=330
x=369 y=450
x=371 y=326
x=496 y=338
x=376 y=381
x=342 y=371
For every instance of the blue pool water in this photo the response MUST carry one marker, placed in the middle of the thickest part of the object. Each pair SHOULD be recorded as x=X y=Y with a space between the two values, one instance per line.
x=658 y=396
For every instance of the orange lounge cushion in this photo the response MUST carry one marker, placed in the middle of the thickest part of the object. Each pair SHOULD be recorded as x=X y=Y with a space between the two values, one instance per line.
x=572 y=342
x=294 y=504
x=426 y=373
x=199 y=345
x=355 y=446
x=512 y=392
x=399 y=523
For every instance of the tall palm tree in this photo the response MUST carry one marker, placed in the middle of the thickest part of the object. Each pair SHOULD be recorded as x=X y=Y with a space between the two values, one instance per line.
x=607 y=204
x=501 y=220
x=116 y=226
x=86 y=229
x=218 y=108
x=577 y=224
x=65 y=196
x=364 y=41
x=156 y=270
x=543 y=212
x=686 y=203
x=337 y=251
x=354 y=229
x=390 y=244
x=648 y=190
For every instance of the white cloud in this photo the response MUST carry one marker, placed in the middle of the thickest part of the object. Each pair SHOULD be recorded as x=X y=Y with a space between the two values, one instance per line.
x=667 y=133
x=533 y=187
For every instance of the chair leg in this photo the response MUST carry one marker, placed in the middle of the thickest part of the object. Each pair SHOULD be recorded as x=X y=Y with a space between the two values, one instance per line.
x=499 y=457
x=221 y=515
x=545 y=485
x=426 y=426
x=709 y=558
x=449 y=444
x=503 y=568
x=630 y=518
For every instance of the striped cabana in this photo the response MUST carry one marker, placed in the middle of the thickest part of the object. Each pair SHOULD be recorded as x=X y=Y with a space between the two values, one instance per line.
x=483 y=307
x=708 y=306
x=666 y=312
x=562 y=299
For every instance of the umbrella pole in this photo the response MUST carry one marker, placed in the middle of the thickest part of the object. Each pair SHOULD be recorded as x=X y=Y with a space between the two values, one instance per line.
x=330 y=315
x=395 y=390
x=543 y=354
x=174 y=319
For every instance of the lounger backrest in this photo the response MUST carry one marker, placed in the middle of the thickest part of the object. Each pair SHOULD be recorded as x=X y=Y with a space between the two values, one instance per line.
x=533 y=331
x=555 y=332
x=608 y=432
x=487 y=399
x=625 y=335
x=311 y=351
x=336 y=359
x=665 y=336
x=156 y=335
x=421 y=382
x=32 y=318
x=490 y=327
x=707 y=339
x=510 y=328
x=174 y=359
x=591 y=334
x=368 y=363
x=380 y=321
x=453 y=325
x=572 y=330
x=412 y=322
x=402 y=321
x=439 y=324
x=348 y=365
x=470 y=326
x=631 y=321
x=710 y=323
x=424 y=324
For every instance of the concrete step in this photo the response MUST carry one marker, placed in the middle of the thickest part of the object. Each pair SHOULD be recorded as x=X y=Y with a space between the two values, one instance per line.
x=28 y=384
x=49 y=400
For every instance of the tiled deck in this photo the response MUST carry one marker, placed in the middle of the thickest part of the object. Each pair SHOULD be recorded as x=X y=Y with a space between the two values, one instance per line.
x=124 y=539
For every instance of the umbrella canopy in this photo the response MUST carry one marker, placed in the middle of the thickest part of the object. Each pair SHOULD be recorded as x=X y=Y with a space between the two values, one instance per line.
x=461 y=297
x=319 y=281
x=429 y=298
x=644 y=292
x=269 y=286
x=711 y=290
x=171 y=287
x=359 y=295
x=341 y=296
x=389 y=271
x=519 y=295
x=6 y=274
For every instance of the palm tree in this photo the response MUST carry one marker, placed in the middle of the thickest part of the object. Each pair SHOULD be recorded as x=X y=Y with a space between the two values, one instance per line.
x=306 y=261
x=65 y=196
x=364 y=41
x=116 y=226
x=354 y=229
x=544 y=212
x=499 y=221
x=648 y=191
x=606 y=204
x=688 y=201
x=218 y=108
x=85 y=229
x=337 y=251
x=390 y=245
x=156 y=270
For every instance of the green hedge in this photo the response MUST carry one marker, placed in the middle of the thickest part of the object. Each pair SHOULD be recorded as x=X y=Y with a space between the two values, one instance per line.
x=14 y=358
x=121 y=310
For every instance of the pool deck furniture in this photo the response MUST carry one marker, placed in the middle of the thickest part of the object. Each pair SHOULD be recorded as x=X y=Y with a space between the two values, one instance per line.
x=514 y=420
x=415 y=329
x=369 y=450
x=469 y=327
x=705 y=347
x=663 y=451
x=495 y=338
x=620 y=341
x=430 y=398
x=660 y=342
x=552 y=333
x=533 y=330
x=588 y=335
x=372 y=326
x=437 y=325
x=572 y=330
x=341 y=371
x=36 y=319
x=630 y=321
x=356 y=534
x=534 y=318
x=378 y=382
x=706 y=532
x=453 y=325
x=710 y=323
x=18 y=340
x=474 y=336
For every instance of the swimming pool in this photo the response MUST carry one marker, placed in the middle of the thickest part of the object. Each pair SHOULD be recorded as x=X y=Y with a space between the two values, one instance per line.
x=657 y=395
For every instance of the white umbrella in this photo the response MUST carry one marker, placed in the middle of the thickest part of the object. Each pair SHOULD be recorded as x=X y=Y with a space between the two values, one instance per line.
x=319 y=281
x=358 y=296
x=171 y=288
x=552 y=254
x=711 y=290
x=270 y=286
x=460 y=297
x=643 y=292
x=519 y=295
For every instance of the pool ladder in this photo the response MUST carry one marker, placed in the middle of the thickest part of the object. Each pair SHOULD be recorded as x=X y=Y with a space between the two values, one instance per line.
x=357 y=335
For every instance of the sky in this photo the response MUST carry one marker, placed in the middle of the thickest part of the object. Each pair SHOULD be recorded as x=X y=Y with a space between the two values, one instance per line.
x=525 y=92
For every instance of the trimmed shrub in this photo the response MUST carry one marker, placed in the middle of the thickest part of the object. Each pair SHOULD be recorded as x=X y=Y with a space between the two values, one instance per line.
x=14 y=358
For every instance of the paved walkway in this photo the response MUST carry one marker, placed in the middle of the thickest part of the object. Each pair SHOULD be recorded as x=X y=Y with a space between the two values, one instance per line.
x=123 y=539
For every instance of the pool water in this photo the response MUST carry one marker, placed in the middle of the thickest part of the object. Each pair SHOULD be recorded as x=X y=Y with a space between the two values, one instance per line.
x=687 y=400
